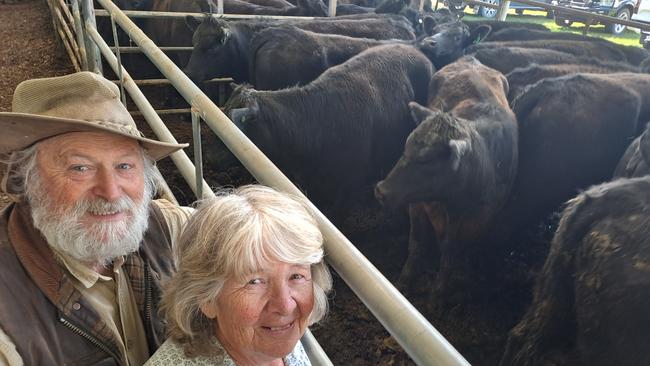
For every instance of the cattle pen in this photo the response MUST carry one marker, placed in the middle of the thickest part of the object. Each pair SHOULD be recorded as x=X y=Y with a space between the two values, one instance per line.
x=374 y=317
x=424 y=344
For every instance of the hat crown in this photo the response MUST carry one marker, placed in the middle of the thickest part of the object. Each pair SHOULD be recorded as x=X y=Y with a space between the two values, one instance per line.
x=82 y=96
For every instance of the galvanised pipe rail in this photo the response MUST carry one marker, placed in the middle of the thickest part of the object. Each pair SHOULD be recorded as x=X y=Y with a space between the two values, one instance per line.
x=173 y=15
x=187 y=169
x=182 y=161
x=424 y=344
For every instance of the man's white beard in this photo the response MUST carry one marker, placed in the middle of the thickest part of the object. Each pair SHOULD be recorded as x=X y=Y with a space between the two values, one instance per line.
x=94 y=243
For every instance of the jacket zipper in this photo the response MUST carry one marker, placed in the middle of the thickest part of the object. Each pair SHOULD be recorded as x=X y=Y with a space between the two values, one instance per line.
x=90 y=338
x=147 y=289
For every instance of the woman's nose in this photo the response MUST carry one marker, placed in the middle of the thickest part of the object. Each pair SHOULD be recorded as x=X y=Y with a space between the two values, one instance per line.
x=281 y=300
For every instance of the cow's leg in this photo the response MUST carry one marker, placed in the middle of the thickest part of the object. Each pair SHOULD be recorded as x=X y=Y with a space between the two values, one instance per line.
x=423 y=248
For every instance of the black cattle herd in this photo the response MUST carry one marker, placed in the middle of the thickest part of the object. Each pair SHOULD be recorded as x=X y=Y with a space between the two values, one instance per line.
x=482 y=129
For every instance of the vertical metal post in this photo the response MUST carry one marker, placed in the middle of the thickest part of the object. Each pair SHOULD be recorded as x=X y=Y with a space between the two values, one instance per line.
x=332 y=8
x=119 y=60
x=220 y=7
x=78 y=28
x=502 y=12
x=198 y=154
x=94 y=57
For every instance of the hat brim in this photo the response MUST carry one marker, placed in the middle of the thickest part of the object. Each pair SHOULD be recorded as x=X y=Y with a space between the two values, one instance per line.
x=21 y=130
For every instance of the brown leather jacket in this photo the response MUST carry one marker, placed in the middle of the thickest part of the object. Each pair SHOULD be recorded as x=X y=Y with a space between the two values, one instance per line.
x=47 y=318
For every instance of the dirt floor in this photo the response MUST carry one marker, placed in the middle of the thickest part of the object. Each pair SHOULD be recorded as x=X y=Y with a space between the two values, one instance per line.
x=350 y=334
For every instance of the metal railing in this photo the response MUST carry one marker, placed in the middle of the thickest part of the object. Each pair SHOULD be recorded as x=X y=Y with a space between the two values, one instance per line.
x=411 y=330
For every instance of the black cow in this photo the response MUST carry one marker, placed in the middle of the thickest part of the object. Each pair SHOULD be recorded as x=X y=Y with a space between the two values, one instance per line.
x=449 y=41
x=524 y=34
x=344 y=128
x=458 y=166
x=636 y=160
x=286 y=56
x=520 y=78
x=573 y=130
x=508 y=59
x=596 y=50
x=592 y=296
x=222 y=49
x=497 y=25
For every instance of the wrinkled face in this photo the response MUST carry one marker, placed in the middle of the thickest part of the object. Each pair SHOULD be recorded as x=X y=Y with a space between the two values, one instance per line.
x=262 y=316
x=89 y=199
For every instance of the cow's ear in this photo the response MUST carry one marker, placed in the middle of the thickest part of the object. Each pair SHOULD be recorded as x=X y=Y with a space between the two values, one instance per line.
x=644 y=145
x=428 y=23
x=458 y=149
x=192 y=22
x=239 y=116
x=419 y=113
x=479 y=33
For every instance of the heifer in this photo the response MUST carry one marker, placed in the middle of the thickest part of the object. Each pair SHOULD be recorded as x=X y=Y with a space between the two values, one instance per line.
x=636 y=160
x=222 y=49
x=497 y=25
x=306 y=55
x=592 y=296
x=458 y=165
x=508 y=59
x=520 y=78
x=573 y=130
x=351 y=122
x=449 y=41
x=597 y=50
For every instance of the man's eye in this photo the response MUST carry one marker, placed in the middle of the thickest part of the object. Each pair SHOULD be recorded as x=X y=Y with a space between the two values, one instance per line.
x=297 y=276
x=124 y=166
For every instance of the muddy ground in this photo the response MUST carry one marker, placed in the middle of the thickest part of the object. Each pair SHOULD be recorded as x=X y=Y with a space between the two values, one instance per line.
x=350 y=334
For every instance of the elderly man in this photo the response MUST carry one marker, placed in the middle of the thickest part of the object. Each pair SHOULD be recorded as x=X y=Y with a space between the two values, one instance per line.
x=84 y=247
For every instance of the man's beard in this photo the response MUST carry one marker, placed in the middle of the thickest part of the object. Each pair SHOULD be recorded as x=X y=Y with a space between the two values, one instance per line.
x=94 y=243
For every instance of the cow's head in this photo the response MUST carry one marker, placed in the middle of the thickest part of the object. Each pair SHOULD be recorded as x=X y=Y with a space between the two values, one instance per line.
x=432 y=161
x=449 y=41
x=210 y=57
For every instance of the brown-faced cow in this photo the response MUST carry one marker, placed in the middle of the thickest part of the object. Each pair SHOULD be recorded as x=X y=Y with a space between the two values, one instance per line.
x=458 y=164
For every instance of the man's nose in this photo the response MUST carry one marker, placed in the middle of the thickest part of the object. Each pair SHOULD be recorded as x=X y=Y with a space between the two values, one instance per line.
x=107 y=186
x=282 y=300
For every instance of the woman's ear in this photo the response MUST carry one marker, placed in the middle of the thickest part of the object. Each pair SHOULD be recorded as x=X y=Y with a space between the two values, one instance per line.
x=209 y=309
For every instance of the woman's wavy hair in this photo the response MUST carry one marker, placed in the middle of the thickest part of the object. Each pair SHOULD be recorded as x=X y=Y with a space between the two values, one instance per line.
x=230 y=236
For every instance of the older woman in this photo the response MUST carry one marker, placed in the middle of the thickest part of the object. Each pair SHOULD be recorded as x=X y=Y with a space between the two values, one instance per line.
x=250 y=279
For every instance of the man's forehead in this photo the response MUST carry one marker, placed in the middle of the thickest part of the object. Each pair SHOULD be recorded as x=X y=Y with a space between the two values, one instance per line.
x=89 y=141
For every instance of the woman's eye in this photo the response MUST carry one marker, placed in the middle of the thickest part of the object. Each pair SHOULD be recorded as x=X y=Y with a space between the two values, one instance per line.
x=255 y=281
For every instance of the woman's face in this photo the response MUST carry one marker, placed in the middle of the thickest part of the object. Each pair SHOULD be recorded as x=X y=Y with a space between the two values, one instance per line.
x=261 y=317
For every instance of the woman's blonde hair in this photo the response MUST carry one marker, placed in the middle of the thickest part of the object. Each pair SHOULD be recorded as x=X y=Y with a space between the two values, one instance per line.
x=233 y=235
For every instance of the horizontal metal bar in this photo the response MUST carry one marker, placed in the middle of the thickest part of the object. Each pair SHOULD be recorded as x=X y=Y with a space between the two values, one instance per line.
x=163 y=48
x=163 y=112
x=181 y=160
x=180 y=15
x=424 y=344
x=150 y=82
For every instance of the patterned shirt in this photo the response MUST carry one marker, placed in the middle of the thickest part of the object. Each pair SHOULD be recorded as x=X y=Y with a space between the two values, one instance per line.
x=172 y=354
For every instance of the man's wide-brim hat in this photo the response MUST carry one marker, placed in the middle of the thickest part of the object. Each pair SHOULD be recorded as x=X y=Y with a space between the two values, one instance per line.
x=79 y=102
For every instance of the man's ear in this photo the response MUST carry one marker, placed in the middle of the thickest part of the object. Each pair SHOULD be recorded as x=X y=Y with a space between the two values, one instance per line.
x=209 y=309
